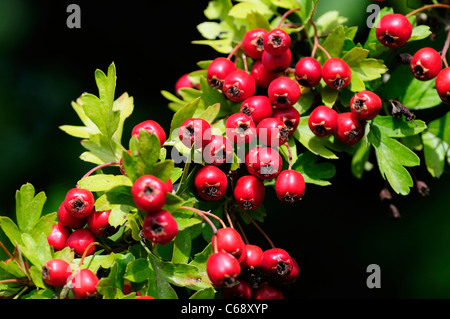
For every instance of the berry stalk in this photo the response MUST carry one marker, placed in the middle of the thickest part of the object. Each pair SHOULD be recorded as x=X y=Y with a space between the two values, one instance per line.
x=430 y=6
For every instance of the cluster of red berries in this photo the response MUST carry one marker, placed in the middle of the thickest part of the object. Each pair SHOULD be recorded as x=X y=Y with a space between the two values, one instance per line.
x=246 y=271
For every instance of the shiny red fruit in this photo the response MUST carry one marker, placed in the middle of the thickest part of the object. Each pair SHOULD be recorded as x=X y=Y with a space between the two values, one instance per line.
x=98 y=223
x=240 y=128
x=276 y=63
x=79 y=240
x=252 y=43
x=67 y=219
x=258 y=107
x=365 y=105
x=195 y=131
x=149 y=193
x=290 y=117
x=218 y=151
x=55 y=272
x=151 y=127
x=263 y=162
x=242 y=290
x=308 y=72
x=393 y=30
x=336 y=73
x=223 y=269
x=276 y=263
x=267 y=291
x=426 y=64
x=79 y=202
x=262 y=76
x=230 y=241
x=323 y=121
x=349 y=130
x=210 y=183
x=249 y=192
x=84 y=284
x=272 y=132
x=57 y=238
x=239 y=85
x=276 y=42
x=283 y=92
x=290 y=186
x=218 y=70
x=443 y=85
x=254 y=255
x=160 y=228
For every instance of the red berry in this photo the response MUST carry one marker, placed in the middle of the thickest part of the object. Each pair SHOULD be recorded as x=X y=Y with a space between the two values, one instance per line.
x=272 y=132
x=349 y=130
x=276 y=263
x=218 y=70
x=293 y=275
x=290 y=117
x=229 y=240
x=210 y=183
x=258 y=107
x=223 y=269
x=242 y=290
x=443 y=85
x=264 y=162
x=218 y=151
x=144 y=297
x=98 y=223
x=149 y=193
x=308 y=72
x=195 y=131
x=276 y=63
x=79 y=240
x=426 y=64
x=79 y=202
x=276 y=42
x=393 y=30
x=267 y=291
x=160 y=228
x=169 y=186
x=249 y=192
x=239 y=85
x=240 y=128
x=67 y=219
x=254 y=255
x=84 y=284
x=183 y=82
x=262 y=76
x=284 y=92
x=57 y=238
x=290 y=186
x=365 y=105
x=252 y=43
x=151 y=127
x=323 y=121
x=55 y=272
x=336 y=73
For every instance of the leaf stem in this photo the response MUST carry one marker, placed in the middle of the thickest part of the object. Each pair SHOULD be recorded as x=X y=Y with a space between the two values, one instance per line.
x=316 y=42
x=99 y=167
x=259 y=228
x=427 y=7
x=203 y=214
x=237 y=47
x=445 y=49
x=289 y=154
x=285 y=15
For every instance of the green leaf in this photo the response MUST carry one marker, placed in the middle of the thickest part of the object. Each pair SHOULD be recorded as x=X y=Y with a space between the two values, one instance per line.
x=420 y=32
x=103 y=182
x=420 y=94
x=256 y=20
x=207 y=293
x=307 y=8
x=124 y=104
x=109 y=287
x=11 y=230
x=329 y=95
x=158 y=286
x=183 y=114
x=44 y=225
x=28 y=207
x=138 y=270
x=441 y=127
x=222 y=45
x=398 y=127
x=334 y=42
x=37 y=251
x=240 y=10
x=209 y=30
x=360 y=158
x=368 y=69
x=182 y=247
x=313 y=172
x=210 y=114
x=435 y=152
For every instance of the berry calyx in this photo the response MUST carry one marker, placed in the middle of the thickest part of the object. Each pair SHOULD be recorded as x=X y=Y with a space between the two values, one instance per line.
x=336 y=73
x=393 y=30
x=79 y=202
x=276 y=262
x=210 y=183
x=151 y=127
x=276 y=63
x=84 y=284
x=160 y=228
x=218 y=70
x=272 y=131
x=253 y=44
x=230 y=241
x=239 y=85
x=58 y=236
x=240 y=128
x=283 y=92
x=263 y=162
x=149 y=193
x=258 y=107
x=290 y=117
x=249 y=192
x=290 y=186
x=443 y=85
x=55 y=272
x=365 y=105
x=276 y=42
x=349 y=130
x=218 y=151
x=223 y=269
x=426 y=64
x=79 y=240
x=195 y=131
x=323 y=121
x=308 y=72
x=98 y=223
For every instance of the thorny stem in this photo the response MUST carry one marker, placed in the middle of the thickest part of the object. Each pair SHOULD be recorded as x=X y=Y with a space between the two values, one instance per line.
x=290 y=155
x=259 y=228
x=286 y=14
x=427 y=7
x=445 y=49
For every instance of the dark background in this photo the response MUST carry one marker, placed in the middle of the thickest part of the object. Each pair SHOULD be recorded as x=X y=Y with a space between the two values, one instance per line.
x=334 y=233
